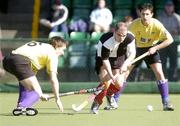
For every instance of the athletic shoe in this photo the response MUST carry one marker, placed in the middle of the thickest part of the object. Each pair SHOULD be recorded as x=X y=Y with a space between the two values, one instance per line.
x=168 y=107
x=25 y=111
x=94 y=108
x=111 y=103
x=19 y=111
x=110 y=108
x=31 y=112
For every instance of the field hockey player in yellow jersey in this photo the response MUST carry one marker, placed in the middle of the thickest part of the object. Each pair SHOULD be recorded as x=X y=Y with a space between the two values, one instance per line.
x=25 y=62
x=151 y=36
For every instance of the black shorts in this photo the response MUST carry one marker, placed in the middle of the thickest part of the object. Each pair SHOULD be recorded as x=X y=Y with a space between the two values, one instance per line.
x=18 y=65
x=151 y=59
x=115 y=63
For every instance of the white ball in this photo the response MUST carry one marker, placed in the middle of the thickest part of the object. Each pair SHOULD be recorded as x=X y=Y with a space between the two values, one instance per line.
x=150 y=108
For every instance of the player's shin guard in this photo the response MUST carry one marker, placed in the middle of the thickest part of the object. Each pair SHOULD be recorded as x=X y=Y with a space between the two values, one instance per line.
x=111 y=103
x=164 y=90
x=22 y=93
x=112 y=89
x=118 y=94
x=30 y=98
x=99 y=97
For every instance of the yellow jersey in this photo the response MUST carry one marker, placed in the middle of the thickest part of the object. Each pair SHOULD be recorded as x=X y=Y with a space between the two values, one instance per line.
x=40 y=54
x=148 y=36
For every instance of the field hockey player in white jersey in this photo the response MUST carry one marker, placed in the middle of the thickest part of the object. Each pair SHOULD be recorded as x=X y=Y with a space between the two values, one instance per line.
x=115 y=51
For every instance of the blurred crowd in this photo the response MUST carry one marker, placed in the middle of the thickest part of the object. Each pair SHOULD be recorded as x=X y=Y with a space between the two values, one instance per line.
x=99 y=17
x=99 y=20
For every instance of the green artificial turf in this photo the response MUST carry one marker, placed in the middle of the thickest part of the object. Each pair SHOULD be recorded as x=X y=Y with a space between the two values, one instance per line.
x=131 y=112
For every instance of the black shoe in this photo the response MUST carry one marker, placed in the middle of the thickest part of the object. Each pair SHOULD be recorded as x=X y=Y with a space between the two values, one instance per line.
x=25 y=111
x=168 y=107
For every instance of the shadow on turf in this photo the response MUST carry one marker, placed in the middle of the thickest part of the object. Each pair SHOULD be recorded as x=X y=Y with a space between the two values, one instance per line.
x=50 y=113
x=6 y=114
x=62 y=113
x=84 y=111
x=54 y=109
x=67 y=111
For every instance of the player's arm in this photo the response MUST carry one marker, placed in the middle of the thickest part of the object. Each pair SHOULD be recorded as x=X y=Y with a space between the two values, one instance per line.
x=107 y=66
x=166 y=41
x=105 y=59
x=55 y=84
x=55 y=87
x=131 y=53
x=61 y=20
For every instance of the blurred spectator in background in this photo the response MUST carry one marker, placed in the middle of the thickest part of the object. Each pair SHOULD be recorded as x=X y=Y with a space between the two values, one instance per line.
x=58 y=15
x=78 y=25
x=136 y=12
x=171 y=21
x=2 y=72
x=128 y=20
x=100 y=18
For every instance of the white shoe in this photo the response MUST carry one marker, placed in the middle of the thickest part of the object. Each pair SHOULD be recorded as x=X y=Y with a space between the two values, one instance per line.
x=25 y=111
x=111 y=103
x=94 y=108
x=168 y=107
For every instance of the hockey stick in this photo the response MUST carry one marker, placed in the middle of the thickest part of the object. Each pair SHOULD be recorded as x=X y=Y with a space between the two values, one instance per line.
x=140 y=57
x=82 y=91
x=92 y=96
x=89 y=99
x=85 y=103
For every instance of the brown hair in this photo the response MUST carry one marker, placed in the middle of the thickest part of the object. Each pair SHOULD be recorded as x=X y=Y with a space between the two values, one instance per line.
x=120 y=24
x=127 y=18
x=146 y=6
x=57 y=41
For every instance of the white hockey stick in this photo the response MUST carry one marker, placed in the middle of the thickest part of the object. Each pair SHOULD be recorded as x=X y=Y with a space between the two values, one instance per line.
x=85 y=103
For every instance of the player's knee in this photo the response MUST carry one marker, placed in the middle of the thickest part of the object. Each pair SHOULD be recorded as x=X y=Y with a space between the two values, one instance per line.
x=119 y=80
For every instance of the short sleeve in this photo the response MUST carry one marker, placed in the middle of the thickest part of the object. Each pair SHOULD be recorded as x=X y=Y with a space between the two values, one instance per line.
x=52 y=63
x=163 y=32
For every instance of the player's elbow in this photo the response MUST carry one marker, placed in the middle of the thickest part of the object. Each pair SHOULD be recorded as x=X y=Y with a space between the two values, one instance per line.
x=133 y=55
x=170 y=39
